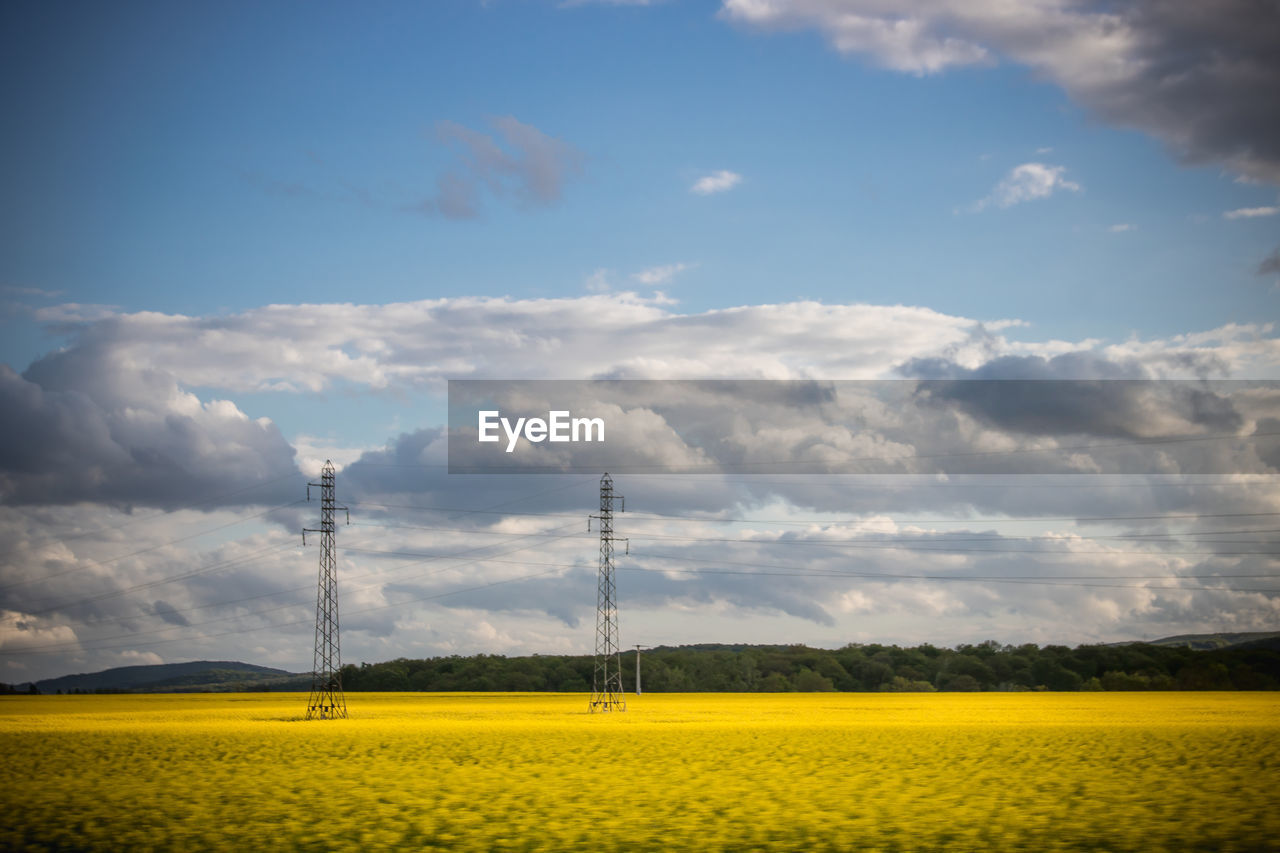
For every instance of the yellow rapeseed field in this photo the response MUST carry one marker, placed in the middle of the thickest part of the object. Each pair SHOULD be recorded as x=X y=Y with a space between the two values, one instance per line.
x=1039 y=772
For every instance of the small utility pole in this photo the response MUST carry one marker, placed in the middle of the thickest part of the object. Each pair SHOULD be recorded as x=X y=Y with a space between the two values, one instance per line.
x=327 y=700
x=638 y=648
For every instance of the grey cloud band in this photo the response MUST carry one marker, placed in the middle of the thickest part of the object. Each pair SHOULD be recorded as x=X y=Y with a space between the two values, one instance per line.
x=934 y=426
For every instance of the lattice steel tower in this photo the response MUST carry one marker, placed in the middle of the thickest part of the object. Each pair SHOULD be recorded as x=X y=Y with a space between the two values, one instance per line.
x=327 y=701
x=606 y=685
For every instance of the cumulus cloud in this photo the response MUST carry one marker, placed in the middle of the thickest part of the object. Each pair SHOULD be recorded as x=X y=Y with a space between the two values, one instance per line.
x=78 y=428
x=716 y=182
x=518 y=161
x=415 y=345
x=1027 y=182
x=1200 y=77
x=110 y=423
x=19 y=630
x=309 y=348
x=1236 y=350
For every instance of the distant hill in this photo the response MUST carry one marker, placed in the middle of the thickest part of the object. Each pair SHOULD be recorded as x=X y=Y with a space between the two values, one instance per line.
x=1223 y=661
x=195 y=676
x=1209 y=642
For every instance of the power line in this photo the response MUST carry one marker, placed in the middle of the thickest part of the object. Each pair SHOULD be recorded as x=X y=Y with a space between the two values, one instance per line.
x=423 y=557
x=149 y=548
x=224 y=564
x=570 y=470
x=697 y=519
x=240 y=561
x=116 y=593
x=760 y=569
x=873 y=546
x=875 y=574
x=139 y=520
x=1009 y=481
x=1111 y=536
x=797 y=571
x=298 y=622
x=801 y=574
x=942 y=547
x=277 y=609
x=834 y=521
x=826 y=543
x=197 y=534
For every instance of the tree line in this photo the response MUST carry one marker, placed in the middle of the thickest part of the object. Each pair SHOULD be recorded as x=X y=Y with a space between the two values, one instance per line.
x=853 y=668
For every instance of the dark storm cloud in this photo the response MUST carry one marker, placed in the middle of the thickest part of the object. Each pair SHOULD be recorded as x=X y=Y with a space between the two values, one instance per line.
x=1202 y=77
x=80 y=425
x=1206 y=82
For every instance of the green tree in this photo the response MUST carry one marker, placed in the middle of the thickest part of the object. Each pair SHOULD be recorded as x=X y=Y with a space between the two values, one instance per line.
x=808 y=681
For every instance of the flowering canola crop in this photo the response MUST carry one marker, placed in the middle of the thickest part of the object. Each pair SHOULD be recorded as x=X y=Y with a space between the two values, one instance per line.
x=889 y=772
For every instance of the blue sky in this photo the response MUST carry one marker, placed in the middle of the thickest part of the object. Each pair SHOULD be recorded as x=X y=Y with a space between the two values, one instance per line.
x=237 y=238
x=208 y=159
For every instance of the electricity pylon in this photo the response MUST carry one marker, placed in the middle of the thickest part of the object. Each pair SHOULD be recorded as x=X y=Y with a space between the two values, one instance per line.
x=327 y=701
x=606 y=684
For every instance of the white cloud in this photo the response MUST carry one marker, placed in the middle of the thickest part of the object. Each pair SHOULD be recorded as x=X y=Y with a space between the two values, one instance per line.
x=1250 y=212
x=660 y=274
x=1027 y=182
x=902 y=42
x=136 y=658
x=1122 y=227
x=19 y=630
x=138 y=364
x=310 y=348
x=717 y=182
x=1236 y=350
x=314 y=451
